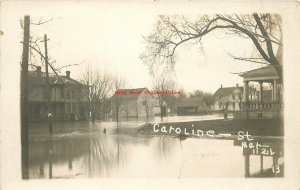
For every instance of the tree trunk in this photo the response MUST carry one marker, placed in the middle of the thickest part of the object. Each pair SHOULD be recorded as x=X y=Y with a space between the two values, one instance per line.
x=225 y=112
x=117 y=113
x=161 y=114
x=93 y=117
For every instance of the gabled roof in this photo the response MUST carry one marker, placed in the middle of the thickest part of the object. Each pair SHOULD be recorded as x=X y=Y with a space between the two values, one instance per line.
x=227 y=91
x=191 y=102
x=40 y=78
x=264 y=73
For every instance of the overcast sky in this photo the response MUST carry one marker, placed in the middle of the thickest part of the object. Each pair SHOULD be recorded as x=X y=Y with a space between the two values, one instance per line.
x=109 y=36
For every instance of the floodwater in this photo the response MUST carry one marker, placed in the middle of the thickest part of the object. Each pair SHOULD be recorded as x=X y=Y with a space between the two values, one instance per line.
x=82 y=150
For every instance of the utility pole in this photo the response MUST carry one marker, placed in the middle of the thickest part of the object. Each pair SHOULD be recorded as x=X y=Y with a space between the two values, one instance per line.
x=49 y=106
x=24 y=99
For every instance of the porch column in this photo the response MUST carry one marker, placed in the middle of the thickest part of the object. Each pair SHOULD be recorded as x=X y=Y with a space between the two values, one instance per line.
x=260 y=91
x=71 y=102
x=261 y=163
x=246 y=95
x=275 y=90
x=247 y=165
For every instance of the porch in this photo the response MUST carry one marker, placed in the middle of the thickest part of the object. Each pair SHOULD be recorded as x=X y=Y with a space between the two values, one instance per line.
x=263 y=106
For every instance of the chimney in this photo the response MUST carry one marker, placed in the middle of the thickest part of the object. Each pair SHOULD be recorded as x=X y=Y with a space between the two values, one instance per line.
x=68 y=74
x=221 y=86
x=39 y=71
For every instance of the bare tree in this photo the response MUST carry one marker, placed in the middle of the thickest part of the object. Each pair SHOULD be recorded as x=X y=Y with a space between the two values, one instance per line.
x=37 y=55
x=223 y=103
x=147 y=105
x=117 y=100
x=264 y=30
x=126 y=109
x=137 y=110
x=163 y=82
x=100 y=88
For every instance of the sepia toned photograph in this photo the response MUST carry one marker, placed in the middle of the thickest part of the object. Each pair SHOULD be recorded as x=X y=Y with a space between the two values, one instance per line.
x=112 y=90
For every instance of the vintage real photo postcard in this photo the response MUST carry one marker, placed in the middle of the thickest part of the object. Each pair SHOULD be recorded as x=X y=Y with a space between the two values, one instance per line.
x=149 y=94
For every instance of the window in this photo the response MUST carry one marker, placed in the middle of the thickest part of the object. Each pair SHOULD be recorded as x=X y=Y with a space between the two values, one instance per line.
x=36 y=109
x=44 y=93
x=68 y=107
x=144 y=103
x=68 y=94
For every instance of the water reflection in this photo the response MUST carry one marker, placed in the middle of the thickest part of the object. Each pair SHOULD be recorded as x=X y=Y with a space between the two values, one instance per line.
x=268 y=156
x=89 y=153
x=164 y=147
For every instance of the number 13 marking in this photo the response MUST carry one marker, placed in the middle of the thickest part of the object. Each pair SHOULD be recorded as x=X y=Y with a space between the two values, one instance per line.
x=276 y=169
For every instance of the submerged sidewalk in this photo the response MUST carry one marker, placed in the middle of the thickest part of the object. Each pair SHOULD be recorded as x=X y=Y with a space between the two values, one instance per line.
x=256 y=127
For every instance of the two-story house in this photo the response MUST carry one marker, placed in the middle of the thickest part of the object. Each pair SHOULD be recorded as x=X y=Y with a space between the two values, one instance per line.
x=68 y=97
x=233 y=97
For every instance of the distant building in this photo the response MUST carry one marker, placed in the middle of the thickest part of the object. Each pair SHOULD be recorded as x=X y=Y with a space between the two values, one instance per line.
x=68 y=97
x=233 y=96
x=191 y=106
x=132 y=104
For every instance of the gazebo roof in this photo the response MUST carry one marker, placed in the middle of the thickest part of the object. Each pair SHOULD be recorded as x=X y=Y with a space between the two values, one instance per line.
x=267 y=73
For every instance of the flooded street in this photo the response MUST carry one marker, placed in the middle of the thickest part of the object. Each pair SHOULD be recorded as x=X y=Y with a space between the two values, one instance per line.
x=82 y=150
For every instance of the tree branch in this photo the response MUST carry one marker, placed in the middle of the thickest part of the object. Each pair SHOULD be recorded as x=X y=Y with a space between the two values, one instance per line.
x=268 y=40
